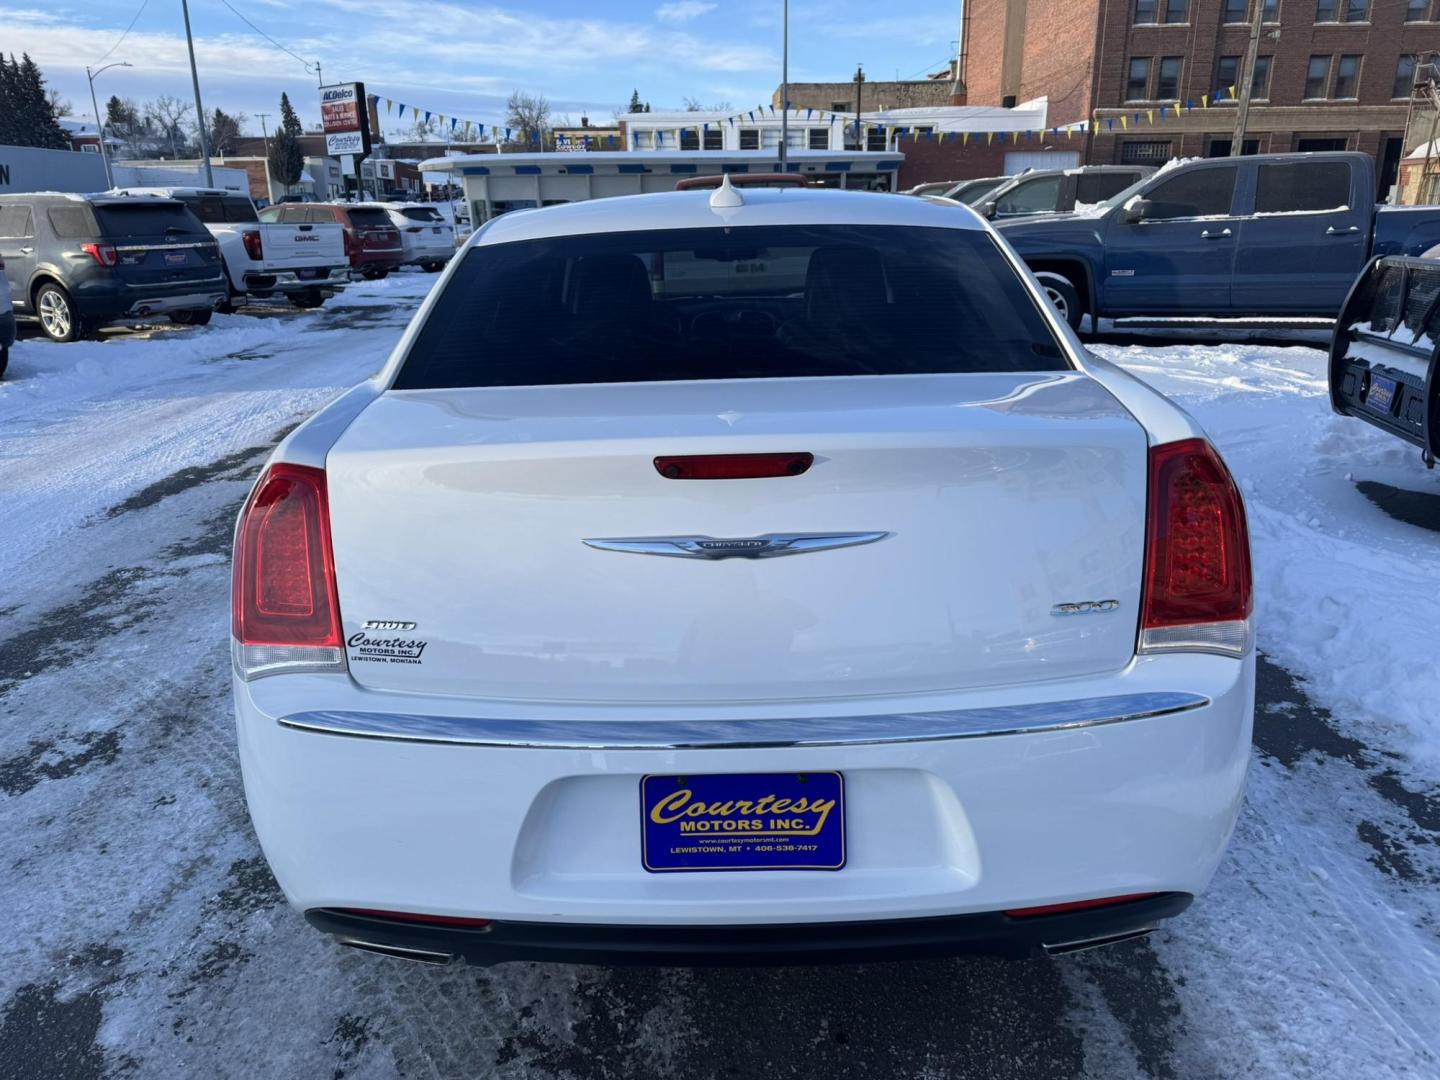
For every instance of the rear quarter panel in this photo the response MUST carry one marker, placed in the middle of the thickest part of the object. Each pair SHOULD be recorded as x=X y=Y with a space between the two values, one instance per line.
x=1405 y=230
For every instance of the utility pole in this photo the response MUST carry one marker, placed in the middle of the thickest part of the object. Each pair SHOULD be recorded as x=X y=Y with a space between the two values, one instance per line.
x=319 y=73
x=859 y=90
x=199 y=108
x=784 y=85
x=265 y=138
x=1247 y=78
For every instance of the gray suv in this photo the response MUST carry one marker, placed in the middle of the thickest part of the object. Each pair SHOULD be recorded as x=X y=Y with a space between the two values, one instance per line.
x=77 y=262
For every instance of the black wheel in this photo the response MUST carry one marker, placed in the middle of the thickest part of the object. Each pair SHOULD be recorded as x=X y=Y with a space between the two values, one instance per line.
x=307 y=298
x=1064 y=296
x=58 y=318
x=191 y=316
x=433 y=267
x=4 y=359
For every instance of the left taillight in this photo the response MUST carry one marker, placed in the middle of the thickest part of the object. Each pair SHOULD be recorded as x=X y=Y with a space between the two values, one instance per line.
x=103 y=254
x=285 y=610
x=253 y=245
x=1197 y=555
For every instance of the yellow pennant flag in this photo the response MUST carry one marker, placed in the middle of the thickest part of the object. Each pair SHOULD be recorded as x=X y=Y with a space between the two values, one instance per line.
x=964 y=137
x=1150 y=115
x=388 y=106
x=1204 y=101
x=1232 y=90
x=989 y=137
x=1125 y=123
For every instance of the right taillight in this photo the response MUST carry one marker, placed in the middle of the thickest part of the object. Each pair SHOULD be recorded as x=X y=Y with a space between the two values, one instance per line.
x=285 y=613
x=253 y=246
x=1197 y=555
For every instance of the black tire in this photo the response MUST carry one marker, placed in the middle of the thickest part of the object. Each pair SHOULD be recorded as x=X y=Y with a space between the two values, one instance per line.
x=4 y=359
x=59 y=321
x=191 y=316
x=433 y=267
x=307 y=298
x=1066 y=298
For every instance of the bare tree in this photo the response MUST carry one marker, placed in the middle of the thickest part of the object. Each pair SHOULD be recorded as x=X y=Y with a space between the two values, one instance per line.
x=694 y=105
x=169 y=114
x=528 y=115
x=58 y=105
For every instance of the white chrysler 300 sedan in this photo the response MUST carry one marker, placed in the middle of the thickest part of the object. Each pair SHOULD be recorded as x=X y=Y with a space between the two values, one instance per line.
x=760 y=576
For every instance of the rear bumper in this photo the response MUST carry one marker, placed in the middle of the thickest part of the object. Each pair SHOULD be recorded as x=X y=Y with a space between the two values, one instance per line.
x=112 y=300
x=988 y=933
x=935 y=826
x=324 y=277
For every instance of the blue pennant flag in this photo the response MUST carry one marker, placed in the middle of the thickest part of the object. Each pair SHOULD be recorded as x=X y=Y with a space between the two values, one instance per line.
x=1189 y=104
x=1110 y=124
x=809 y=113
x=507 y=134
x=752 y=116
x=400 y=112
x=427 y=116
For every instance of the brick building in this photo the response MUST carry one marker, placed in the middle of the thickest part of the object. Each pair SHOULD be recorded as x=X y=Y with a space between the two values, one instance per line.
x=1331 y=74
x=938 y=88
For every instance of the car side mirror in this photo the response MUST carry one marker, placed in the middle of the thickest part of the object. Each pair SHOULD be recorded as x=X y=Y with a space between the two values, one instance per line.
x=1135 y=210
x=987 y=210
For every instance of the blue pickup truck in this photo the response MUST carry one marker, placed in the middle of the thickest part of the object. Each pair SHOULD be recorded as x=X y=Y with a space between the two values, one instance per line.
x=1273 y=236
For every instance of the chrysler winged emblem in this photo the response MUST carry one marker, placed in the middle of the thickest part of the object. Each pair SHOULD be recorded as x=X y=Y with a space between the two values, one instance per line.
x=769 y=546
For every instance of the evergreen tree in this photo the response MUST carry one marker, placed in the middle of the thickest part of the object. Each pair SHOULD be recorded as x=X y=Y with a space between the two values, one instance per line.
x=27 y=114
x=287 y=159
x=224 y=130
x=9 y=105
x=635 y=102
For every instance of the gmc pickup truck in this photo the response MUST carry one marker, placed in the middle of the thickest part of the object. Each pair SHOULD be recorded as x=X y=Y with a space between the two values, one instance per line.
x=304 y=264
x=1385 y=356
x=1279 y=237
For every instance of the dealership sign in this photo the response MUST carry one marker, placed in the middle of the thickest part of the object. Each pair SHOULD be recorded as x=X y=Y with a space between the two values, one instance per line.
x=345 y=119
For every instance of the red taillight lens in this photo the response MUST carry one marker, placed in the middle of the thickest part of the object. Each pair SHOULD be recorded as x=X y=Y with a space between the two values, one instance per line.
x=284 y=571
x=103 y=254
x=1077 y=905
x=732 y=466
x=349 y=242
x=410 y=916
x=253 y=246
x=1197 y=554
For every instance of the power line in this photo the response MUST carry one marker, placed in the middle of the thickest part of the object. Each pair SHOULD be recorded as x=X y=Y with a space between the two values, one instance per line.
x=306 y=63
x=123 y=36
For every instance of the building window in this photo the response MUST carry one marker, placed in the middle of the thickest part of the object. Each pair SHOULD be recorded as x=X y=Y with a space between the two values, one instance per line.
x=1227 y=74
x=876 y=139
x=714 y=139
x=749 y=138
x=1221 y=147
x=1167 y=83
x=819 y=139
x=1239 y=11
x=1317 y=77
x=839 y=106
x=689 y=139
x=1260 y=79
x=1177 y=11
x=1145 y=11
x=1347 y=78
x=1137 y=85
x=1325 y=11
x=1420 y=11
x=1317 y=146
x=1404 y=77
x=1144 y=153
x=1357 y=10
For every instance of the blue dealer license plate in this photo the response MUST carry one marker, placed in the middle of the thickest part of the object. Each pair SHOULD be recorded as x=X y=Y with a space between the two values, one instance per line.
x=743 y=821
x=1381 y=397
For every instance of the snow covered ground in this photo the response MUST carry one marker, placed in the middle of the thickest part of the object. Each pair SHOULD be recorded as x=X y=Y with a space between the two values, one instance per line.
x=145 y=937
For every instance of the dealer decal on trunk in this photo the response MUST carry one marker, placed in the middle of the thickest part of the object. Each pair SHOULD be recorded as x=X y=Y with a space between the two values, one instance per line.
x=385 y=650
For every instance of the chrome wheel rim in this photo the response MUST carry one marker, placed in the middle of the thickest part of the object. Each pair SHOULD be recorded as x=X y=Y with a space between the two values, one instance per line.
x=1058 y=299
x=55 y=314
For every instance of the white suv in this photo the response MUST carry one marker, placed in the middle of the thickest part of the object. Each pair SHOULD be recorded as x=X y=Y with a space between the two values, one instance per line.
x=429 y=239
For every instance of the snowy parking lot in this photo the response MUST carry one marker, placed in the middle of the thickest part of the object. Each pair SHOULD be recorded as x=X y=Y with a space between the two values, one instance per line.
x=146 y=938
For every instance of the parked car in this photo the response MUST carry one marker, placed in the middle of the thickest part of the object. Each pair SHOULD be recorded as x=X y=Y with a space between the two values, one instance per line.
x=78 y=262
x=932 y=187
x=1384 y=356
x=745 y=622
x=1059 y=191
x=7 y=320
x=303 y=263
x=371 y=242
x=1280 y=236
x=303 y=197
x=428 y=239
x=974 y=192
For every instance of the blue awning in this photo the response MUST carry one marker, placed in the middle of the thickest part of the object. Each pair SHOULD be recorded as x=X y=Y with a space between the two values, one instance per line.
x=476 y=170
x=837 y=166
x=527 y=170
x=682 y=168
x=632 y=168
x=579 y=170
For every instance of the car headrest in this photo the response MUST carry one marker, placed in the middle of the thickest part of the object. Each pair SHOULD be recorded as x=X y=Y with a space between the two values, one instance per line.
x=844 y=283
x=609 y=286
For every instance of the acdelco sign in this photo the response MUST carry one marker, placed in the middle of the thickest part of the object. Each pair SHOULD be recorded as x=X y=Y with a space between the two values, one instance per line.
x=345 y=119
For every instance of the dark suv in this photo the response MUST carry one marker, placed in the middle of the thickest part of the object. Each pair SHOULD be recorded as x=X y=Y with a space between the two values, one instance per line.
x=77 y=262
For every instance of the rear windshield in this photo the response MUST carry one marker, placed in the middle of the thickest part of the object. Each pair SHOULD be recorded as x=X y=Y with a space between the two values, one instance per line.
x=220 y=210
x=368 y=217
x=145 y=219
x=754 y=302
x=422 y=213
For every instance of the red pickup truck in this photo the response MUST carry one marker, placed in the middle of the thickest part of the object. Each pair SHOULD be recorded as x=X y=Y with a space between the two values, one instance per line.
x=371 y=241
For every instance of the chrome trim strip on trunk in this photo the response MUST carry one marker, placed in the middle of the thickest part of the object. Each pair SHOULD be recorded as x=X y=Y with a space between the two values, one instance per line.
x=746 y=734
x=167 y=247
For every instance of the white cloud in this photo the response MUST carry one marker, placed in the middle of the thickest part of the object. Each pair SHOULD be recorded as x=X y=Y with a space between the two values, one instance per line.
x=678 y=11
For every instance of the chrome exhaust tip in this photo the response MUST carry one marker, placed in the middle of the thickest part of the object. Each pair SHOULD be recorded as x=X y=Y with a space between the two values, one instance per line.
x=419 y=956
x=1061 y=948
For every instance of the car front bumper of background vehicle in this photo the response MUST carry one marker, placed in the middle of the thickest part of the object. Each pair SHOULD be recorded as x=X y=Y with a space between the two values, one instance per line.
x=936 y=827
x=992 y=933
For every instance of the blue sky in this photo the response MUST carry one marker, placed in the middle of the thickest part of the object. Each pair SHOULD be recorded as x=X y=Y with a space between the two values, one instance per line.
x=463 y=59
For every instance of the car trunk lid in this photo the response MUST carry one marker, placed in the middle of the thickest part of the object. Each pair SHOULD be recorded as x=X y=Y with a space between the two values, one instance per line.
x=460 y=519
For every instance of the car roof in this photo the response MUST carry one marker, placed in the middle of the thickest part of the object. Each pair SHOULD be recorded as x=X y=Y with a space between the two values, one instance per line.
x=692 y=210
x=177 y=190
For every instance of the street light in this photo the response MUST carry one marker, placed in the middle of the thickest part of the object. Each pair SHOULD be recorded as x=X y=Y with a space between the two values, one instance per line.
x=99 y=126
